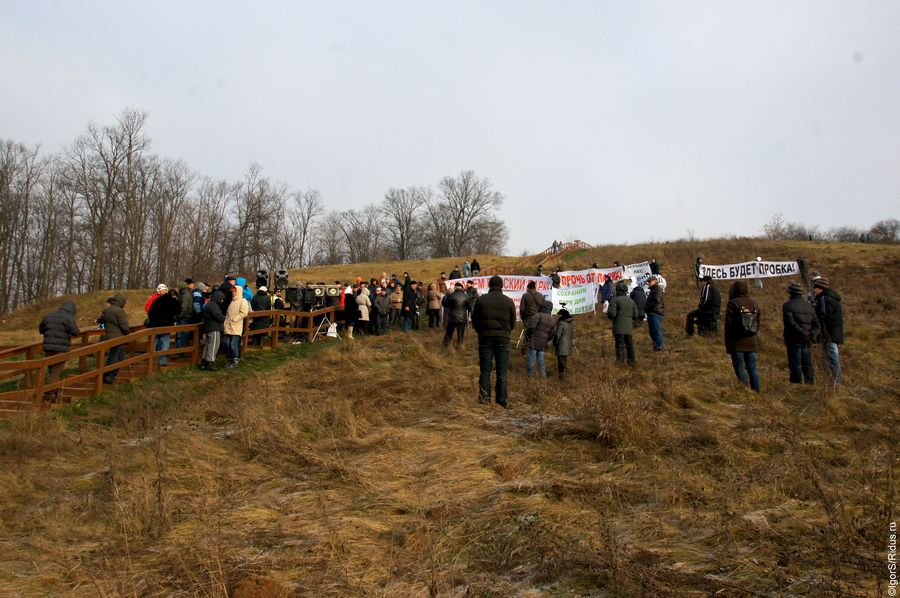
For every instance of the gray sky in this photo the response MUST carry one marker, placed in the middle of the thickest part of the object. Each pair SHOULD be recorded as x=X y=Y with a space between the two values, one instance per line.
x=605 y=121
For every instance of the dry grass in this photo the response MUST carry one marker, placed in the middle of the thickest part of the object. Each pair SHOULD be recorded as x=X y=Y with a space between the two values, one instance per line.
x=368 y=469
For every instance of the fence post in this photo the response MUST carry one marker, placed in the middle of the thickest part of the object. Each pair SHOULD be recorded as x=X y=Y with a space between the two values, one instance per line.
x=195 y=354
x=276 y=321
x=82 y=361
x=151 y=351
x=244 y=338
x=101 y=362
x=29 y=374
x=38 y=399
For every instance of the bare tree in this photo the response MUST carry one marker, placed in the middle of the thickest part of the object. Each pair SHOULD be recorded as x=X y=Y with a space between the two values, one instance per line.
x=885 y=231
x=329 y=240
x=464 y=201
x=403 y=211
x=306 y=210
x=361 y=230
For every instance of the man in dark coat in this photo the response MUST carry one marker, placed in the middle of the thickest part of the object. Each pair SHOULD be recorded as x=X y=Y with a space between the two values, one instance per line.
x=801 y=329
x=697 y=265
x=606 y=292
x=213 y=328
x=706 y=316
x=456 y=307
x=530 y=305
x=830 y=312
x=540 y=336
x=185 y=313
x=408 y=307
x=493 y=318
x=260 y=302
x=640 y=300
x=623 y=314
x=116 y=323
x=471 y=296
x=654 y=308
x=58 y=328
x=476 y=267
x=741 y=315
x=563 y=341
x=654 y=266
x=163 y=313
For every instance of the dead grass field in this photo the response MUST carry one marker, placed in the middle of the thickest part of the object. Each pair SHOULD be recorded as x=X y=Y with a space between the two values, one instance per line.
x=366 y=468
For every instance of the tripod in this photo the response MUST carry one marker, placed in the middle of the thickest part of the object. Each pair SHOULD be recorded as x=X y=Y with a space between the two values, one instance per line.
x=324 y=322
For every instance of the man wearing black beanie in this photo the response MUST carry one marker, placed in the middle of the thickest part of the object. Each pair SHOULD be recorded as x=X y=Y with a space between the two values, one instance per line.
x=493 y=318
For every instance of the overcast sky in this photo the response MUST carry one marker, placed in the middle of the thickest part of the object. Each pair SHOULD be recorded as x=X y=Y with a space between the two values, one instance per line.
x=604 y=121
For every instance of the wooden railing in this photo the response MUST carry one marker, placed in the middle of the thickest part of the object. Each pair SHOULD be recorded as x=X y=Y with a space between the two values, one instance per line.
x=26 y=366
x=561 y=251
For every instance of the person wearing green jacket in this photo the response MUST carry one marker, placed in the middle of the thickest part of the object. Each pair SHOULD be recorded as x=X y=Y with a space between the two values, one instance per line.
x=623 y=313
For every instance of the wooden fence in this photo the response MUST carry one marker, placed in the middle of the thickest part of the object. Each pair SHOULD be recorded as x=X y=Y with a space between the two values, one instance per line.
x=23 y=370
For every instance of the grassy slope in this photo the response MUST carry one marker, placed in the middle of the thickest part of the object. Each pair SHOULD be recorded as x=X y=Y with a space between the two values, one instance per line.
x=366 y=468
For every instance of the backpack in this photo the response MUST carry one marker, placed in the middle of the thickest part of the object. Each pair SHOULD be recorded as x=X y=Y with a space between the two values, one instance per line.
x=749 y=323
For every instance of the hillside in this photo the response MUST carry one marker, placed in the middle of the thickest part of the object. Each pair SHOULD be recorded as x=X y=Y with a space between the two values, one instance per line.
x=367 y=468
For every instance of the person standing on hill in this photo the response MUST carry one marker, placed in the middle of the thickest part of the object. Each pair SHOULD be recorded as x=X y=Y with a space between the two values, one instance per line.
x=434 y=306
x=116 y=324
x=606 y=292
x=185 y=313
x=540 y=270
x=455 y=273
x=540 y=336
x=493 y=318
x=260 y=302
x=654 y=266
x=801 y=265
x=639 y=296
x=409 y=303
x=801 y=329
x=455 y=305
x=363 y=303
x=58 y=328
x=830 y=312
x=697 y=265
x=351 y=311
x=382 y=308
x=396 y=302
x=655 y=310
x=476 y=267
x=623 y=314
x=563 y=341
x=471 y=296
x=234 y=326
x=742 y=320
x=758 y=280
x=467 y=269
x=706 y=316
x=162 y=313
x=213 y=329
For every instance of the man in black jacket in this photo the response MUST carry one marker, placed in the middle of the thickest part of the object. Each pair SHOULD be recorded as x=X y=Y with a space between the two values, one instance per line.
x=408 y=309
x=213 y=329
x=827 y=304
x=185 y=313
x=801 y=329
x=706 y=316
x=163 y=313
x=58 y=328
x=455 y=304
x=260 y=302
x=493 y=318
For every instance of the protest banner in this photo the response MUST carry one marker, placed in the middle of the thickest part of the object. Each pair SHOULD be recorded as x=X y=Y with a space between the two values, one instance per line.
x=514 y=286
x=639 y=274
x=576 y=300
x=752 y=269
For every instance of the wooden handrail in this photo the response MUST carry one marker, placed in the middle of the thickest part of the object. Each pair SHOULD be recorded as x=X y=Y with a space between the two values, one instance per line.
x=33 y=369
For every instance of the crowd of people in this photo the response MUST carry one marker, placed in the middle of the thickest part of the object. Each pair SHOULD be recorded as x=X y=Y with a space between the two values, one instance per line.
x=390 y=303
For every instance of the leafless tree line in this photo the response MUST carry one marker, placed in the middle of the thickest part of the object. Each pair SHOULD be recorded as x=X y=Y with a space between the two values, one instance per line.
x=107 y=213
x=883 y=231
